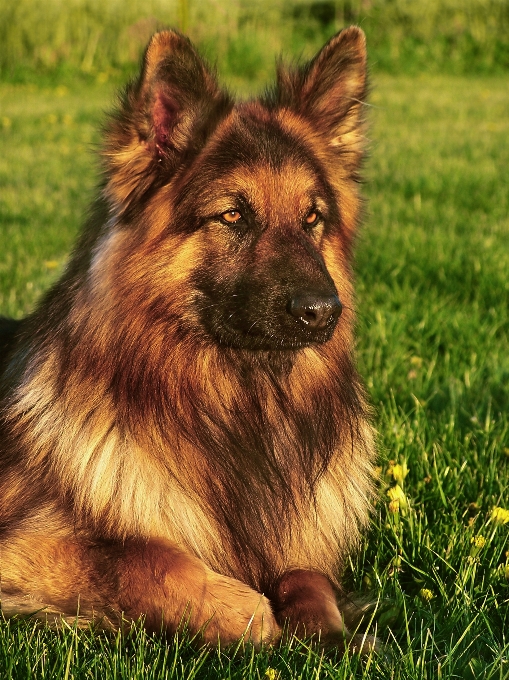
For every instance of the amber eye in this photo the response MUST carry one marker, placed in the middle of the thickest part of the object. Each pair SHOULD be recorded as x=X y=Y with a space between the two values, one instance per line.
x=231 y=216
x=312 y=218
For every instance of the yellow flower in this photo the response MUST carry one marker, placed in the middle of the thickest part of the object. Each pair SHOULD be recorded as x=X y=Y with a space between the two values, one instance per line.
x=500 y=515
x=399 y=472
x=426 y=594
x=478 y=543
x=396 y=493
x=394 y=506
x=271 y=674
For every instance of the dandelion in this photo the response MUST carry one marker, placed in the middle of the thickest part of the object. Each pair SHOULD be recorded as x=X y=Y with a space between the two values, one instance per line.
x=396 y=494
x=477 y=544
x=399 y=472
x=479 y=541
x=394 y=506
x=271 y=674
x=426 y=594
x=500 y=515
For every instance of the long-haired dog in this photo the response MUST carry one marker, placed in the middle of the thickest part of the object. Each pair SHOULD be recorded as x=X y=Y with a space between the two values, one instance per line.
x=183 y=434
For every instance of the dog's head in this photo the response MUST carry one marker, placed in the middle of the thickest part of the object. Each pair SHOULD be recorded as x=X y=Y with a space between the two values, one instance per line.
x=250 y=209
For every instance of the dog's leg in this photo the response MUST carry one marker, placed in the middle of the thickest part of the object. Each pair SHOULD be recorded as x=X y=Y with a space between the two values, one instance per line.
x=306 y=603
x=168 y=585
x=154 y=580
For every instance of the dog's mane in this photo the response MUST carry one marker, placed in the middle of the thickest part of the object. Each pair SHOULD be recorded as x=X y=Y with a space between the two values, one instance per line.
x=256 y=448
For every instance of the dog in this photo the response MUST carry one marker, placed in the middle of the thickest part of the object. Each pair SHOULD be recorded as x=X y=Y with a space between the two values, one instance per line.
x=183 y=434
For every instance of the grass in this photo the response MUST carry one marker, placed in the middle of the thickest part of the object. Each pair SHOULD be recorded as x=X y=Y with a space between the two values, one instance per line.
x=433 y=294
x=242 y=35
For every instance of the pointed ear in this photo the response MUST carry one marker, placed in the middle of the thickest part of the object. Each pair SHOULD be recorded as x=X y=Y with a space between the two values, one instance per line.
x=170 y=110
x=330 y=91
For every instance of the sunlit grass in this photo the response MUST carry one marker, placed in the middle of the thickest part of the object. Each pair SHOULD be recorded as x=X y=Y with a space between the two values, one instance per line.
x=433 y=297
x=91 y=36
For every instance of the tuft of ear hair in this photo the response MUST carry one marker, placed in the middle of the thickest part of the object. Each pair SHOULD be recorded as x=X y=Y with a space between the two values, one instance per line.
x=164 y=116
x=329 y=91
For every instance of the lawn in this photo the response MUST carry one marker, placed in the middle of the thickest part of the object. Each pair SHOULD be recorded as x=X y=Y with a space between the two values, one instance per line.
x=433 y=346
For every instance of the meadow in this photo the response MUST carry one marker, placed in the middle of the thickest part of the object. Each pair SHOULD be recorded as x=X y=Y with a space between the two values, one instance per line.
x=62 y=36
x=433 y=346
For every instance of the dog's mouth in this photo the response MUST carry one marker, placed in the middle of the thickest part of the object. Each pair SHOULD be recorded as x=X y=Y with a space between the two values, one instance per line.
x=269 y=340
x=295 y=328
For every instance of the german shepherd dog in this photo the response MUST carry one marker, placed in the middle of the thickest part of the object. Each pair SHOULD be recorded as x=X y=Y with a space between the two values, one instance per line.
x=183 y=434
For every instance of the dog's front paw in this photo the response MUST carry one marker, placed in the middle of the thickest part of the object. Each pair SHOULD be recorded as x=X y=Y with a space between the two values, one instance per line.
x=235 y=611
x=306 y=605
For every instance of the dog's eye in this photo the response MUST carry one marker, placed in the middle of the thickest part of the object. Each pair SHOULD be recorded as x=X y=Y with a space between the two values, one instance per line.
x=231 y=216
x=312 y=218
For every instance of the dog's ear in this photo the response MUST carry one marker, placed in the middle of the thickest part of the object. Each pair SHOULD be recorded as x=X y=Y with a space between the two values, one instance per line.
x=177 y=94
x=169 y=111
x=330 y=90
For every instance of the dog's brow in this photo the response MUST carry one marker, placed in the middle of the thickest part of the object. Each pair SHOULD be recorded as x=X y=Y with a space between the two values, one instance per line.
x=223 y=201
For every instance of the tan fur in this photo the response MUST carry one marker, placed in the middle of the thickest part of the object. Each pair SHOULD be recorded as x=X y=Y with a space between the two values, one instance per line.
x=161 y=456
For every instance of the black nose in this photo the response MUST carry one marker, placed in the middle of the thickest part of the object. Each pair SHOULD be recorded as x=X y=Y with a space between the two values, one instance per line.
x=315 y=311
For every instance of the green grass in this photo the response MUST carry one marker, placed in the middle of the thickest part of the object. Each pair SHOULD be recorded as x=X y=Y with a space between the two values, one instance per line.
x=433 y=296
x=242 y=35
